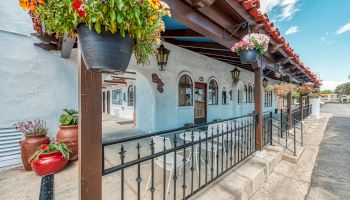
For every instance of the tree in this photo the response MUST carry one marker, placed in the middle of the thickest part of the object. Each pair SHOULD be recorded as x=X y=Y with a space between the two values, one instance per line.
x=343 y=89
x=327 y=92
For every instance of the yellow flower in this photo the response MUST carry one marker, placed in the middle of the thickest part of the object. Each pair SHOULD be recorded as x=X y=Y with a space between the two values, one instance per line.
x=24 y=4
x=154 y=4
x=151 y=19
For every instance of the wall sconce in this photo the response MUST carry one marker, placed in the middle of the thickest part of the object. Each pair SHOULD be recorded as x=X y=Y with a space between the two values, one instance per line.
x=265 y=82
x=235 y=74
x=162 y=57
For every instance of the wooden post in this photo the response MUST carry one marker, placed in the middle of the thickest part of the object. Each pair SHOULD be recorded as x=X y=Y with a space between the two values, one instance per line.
x=289 y=108
x=301 y=106
x=90 y=134
x=258 y=104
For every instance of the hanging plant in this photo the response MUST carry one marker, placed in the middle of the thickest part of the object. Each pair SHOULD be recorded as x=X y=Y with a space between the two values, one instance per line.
x=314 y=94
x=283 y=89
x=305 y=88
x=138 y=21
x=251 y=46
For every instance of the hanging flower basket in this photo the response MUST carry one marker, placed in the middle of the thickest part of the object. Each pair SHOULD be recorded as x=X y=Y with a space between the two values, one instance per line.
x=315 y=94
x=305 y=88
x=108 y=31
x=283 y=89
x=105 y=51
x=250 y=47
x=248 y=56
x=281 y=92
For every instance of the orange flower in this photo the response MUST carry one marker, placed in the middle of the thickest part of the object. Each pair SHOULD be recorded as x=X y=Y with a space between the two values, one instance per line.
x=32 y=6
x=154 y=3
x=24 y=4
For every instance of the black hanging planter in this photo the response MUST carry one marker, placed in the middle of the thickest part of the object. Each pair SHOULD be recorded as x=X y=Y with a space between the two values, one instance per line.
x=105 y=52
x=248 y=56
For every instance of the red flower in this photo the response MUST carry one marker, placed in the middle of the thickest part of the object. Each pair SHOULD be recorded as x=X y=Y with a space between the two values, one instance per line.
x=79 y=7
x=43 y=147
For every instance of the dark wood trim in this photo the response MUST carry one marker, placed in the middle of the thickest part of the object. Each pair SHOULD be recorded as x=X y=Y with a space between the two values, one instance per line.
x=181 y=33
x=90 y=134
x=289 y=107
x=258 y=104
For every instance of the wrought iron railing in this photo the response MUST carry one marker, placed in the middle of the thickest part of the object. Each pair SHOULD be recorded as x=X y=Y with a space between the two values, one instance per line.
x=296 y=115
x=267 y=128
x=307 y=111
x=178 y=162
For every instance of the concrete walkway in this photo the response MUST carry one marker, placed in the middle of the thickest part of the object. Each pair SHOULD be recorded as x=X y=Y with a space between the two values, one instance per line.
x=290 y=181
x=331 y=175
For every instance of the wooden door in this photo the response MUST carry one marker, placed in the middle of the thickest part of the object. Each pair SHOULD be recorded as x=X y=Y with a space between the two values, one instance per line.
x=200 y=103
x=108 y=102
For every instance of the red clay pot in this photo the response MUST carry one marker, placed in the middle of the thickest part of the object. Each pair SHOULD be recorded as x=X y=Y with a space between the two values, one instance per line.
x=69 y=135
x=28 y=147
x=49 y=163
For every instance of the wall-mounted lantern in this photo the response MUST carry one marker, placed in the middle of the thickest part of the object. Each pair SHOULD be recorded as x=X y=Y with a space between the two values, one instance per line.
x=162 y=57
x=265 y=82
x=235 y=74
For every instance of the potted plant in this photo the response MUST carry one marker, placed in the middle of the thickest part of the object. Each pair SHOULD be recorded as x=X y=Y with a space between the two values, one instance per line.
x=250 y=47
x=283 y=89
x=305 y=88
x=50 y=158
x=109 y=30
x=68 y=132
x=35 y=135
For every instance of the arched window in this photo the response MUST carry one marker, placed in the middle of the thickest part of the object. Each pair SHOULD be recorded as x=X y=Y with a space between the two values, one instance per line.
x=213 y=93
x=130 y=95
x=250 y=94
x=246 y=93
x=185 y=91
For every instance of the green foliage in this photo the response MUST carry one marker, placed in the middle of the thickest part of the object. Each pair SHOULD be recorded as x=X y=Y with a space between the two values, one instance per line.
x=327 y=92
x=47 y=148
x=295 y=94
x=139 y=19
x=58 y=17
x=69 y=118
x=343 y=89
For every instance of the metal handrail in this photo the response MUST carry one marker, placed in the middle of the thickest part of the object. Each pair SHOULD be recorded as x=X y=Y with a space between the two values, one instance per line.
x=126 y=139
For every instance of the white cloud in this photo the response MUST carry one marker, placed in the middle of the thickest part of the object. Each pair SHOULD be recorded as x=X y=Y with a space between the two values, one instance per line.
x=323 y=39
x=343 y=29
x=288 y=8
x=292 y=29
x=330 y=85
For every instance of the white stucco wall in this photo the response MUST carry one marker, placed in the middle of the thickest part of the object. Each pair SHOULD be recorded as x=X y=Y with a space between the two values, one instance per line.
x=162 y=111
x=34 y=83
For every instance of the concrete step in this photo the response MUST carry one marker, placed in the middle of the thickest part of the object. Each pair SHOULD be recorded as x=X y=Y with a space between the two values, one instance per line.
x=290 y=157
x=245 y=179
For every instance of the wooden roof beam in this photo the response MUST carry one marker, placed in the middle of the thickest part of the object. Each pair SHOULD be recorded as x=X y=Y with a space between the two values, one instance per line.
x=188 y=16
x=181 y=33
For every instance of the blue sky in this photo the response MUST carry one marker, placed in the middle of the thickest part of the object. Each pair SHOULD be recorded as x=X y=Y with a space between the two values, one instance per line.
x=319 y=31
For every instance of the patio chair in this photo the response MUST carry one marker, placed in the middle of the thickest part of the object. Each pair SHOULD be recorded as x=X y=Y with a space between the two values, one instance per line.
x=169 y=163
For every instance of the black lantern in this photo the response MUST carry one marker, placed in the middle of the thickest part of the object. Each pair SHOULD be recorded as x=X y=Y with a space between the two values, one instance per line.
x=162 y=57
x=265 y=82
x=235 y=74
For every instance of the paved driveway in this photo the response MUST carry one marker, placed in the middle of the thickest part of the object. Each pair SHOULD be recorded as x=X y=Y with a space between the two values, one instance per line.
x=331 y=175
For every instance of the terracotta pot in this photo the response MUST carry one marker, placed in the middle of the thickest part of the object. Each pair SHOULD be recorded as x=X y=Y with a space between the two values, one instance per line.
x=49 y=163
x=69 y=136
x=28 y=147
